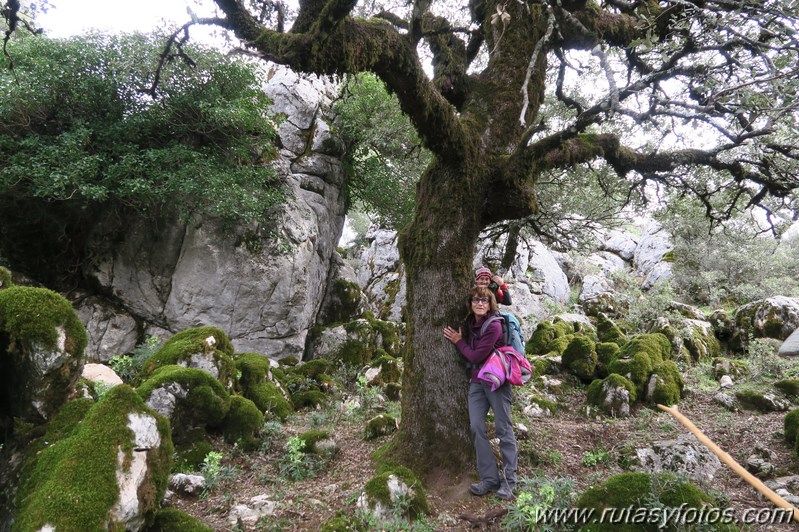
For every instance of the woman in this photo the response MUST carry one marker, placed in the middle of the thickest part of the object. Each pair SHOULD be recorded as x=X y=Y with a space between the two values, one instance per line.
x=481 y=335
x=483 y=277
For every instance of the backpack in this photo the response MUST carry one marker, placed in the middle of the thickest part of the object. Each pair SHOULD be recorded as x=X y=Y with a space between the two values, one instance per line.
x=505 y=364
x=511 y=330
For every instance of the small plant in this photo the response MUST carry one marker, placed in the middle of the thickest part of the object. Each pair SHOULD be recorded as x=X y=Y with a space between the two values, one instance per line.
x=295 y=463
x=592 y=458
x=554 y=457
x=535 y=498
x=214 y=472
x=99 y=389
x=129 y=367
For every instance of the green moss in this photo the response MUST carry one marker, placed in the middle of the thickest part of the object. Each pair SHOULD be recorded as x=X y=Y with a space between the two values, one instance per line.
x=545 y=366
x=32 y=316
x=71 y=484
x=642 y=490
x=562 y=328
x=289 y=361
x=559 y=344
x=381 y=425
x=669 y=385
x=377 y=491
x=789 y=387
x=538 y=344
x=180 y=348
x=172 y=519
x=393 y=391
x=727 y=366
x=580 y=357
x=389 y=369
x=5 y=278
x=342 y=524
x=312 y=369
x=754 y=400
x=596 y=389
x=791 y=425
x=636 y=368
x=656 y=345
x=606 y=352
x=308 y=399
x=254 y=369
x=242 y=422
x=543 y=402
x=206 y=403
x=191 y=455
x=346 y=302
x=608 y=331
x=311 y=438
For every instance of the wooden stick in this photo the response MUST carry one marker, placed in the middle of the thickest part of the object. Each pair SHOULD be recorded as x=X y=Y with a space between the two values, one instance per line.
x=730 y=461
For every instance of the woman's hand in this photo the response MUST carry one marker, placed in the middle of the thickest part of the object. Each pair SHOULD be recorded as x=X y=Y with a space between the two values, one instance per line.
x=452 y=335
x=499 y=280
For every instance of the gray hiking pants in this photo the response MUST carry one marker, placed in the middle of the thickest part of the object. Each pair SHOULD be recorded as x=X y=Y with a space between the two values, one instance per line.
x=481 y=398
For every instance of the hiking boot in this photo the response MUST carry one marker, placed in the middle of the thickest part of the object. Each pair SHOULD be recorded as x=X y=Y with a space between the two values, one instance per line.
x=481 y=488
x=505 y=492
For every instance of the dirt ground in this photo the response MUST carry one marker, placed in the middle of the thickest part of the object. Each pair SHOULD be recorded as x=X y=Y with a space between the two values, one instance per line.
x=556 y=447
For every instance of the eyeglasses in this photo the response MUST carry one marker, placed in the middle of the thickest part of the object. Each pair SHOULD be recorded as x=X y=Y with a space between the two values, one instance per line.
x=480 y=300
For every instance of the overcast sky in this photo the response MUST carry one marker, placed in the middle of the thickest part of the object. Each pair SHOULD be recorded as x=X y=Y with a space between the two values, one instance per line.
x=72 y=17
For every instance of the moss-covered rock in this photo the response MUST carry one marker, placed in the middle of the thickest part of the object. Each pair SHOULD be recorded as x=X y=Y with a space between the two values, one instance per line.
x=383 y=492
x=727 y=366
x=191 y=455
x=538 y=344
x=343 y=302
x=308 y=399
x=665 y=385
x=5 y=278
x=613 y=395
x=313 y=369
x=342 y=524
x=242 y=421
x=393 y=391
x=172 y=520
x=636 y=491
x=580 y=358
x=73 y=483
x=190 y=398
x=545 y=365
x=257 y=386
x=42 y=342
x=636 y=368
x=760 y=401
x=791 y=426
x=192 y=348
x=606 y=352
x=608 y=331
x=289 y=361
x=319 y=442
x=380 y=425
x=656 y=345
x=789 y=387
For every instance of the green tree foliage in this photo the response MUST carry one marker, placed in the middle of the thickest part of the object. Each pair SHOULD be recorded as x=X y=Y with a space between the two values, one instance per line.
x=384 y=154
x=730 y=264
x=77 y=124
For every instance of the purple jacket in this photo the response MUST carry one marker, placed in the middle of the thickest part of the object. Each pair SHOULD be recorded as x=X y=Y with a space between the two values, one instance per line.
x=478 y=347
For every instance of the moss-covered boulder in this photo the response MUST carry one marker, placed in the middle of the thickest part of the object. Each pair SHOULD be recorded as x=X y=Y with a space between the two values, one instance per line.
x=791 y=426
x=172 y=519
x=639 y=357
x=393 y=391
x=191 y=455
x=190 y=398
x=383 y=494
x=634 y=493
x=5 y=278
x=385 y=369
x=695 y=339
x=613 y=395
x=344 y=302
x=665 y=386
x=774 y=317
x=538 y=344
x=308 y=399
x=42 y=342
x=242 y=422
x=258 y=385
x=108 y=472
x=356 y=343
x=727 y=366
x=656 y=345
x=380 y=425
x=608 y=331
x=580 y=358
x=318 y=442
x=606 y=352
x=789 y=387
x=761 y=401
x=205 y=348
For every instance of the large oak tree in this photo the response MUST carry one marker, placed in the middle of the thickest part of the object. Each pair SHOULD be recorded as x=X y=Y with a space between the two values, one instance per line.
x=698 y=96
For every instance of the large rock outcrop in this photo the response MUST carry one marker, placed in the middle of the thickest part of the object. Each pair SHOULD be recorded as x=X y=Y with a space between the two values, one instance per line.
x=262 y=286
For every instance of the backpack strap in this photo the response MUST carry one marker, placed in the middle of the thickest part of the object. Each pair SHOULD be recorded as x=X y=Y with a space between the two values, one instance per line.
x=488 y=322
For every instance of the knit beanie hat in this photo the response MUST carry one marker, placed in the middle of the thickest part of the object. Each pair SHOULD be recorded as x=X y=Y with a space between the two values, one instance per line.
x=480 y=272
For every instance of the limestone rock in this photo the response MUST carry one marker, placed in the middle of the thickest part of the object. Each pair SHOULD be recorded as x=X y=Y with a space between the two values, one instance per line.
x=100 y=373
x=684 y=456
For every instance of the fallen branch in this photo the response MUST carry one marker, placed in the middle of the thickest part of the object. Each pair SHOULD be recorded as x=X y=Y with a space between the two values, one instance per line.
x=730 y=461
